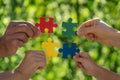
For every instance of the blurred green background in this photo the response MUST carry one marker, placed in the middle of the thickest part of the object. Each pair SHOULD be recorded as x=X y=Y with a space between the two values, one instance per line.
x=61 y=10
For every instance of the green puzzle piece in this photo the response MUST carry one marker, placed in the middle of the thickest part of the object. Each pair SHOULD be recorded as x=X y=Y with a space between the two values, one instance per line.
x=69 y=28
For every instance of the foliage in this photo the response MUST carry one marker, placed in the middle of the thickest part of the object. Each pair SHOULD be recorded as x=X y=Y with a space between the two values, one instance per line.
x=61 y=10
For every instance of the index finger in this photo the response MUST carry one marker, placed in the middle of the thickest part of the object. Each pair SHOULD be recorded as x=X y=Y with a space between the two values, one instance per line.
x=89 y=23
x=84 y=55
x=35 y=30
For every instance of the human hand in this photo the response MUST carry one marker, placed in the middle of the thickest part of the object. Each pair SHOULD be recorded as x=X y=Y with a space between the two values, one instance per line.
x=84 y=62
x=96 y=29
x=16 y=34
x=33 y=61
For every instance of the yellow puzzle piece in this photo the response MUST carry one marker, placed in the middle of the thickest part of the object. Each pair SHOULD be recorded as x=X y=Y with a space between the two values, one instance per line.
x=50 y=48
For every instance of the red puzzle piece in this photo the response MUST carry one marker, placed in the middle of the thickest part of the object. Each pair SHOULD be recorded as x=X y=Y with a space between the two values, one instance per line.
x=46 y=25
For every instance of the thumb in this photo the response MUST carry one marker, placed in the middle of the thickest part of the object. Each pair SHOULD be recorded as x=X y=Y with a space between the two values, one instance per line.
x=37 y=33
x=87 y=30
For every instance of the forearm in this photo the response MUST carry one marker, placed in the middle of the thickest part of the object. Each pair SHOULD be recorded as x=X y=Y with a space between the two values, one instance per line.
x=12 y=75
x=103 y=74
x=6 y=75
x=1 y=48
x=116 y=39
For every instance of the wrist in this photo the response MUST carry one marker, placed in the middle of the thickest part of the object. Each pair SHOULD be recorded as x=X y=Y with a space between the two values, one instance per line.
x=116 y=39
x=1 y=48
x=20 y=74
x=102 y=74
x=97 y=72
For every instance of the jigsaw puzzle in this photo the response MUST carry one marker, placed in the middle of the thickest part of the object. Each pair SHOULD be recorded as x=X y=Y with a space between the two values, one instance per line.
x=68 y=50
x=50 y=48
x=43 y=24
x=68 y=32
x=69 y=28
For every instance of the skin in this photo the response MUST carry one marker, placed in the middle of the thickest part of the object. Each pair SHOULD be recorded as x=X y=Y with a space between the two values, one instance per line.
x=95 y=29
x=16 y=34
x=33 y=61
x=85 y=63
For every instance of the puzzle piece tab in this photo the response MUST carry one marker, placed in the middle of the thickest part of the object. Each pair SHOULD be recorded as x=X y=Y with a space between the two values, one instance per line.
x=46 y=25
x=69 y=28
x=69 y=50
x=50 y=48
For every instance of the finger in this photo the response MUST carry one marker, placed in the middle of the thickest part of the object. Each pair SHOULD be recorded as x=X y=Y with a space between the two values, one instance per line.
x=40 y=53
x=90 y=37
x=90 y=22
x=79 y=65
x=76 y=57
x=85 y=31
x=20 y=28
x=40 y=59
x=41 y=67
x=20 y=36
x=38 y=56
x=41 y=63
x=81 y=60
x=36 y=53
x=16 y=44
x=20 y=43
x=35 y=30
x=84 y=55
x=15 y=40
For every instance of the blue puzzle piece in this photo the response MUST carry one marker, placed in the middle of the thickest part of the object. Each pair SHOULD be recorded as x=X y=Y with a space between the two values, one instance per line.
x=69 y=50
x=69 y=28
